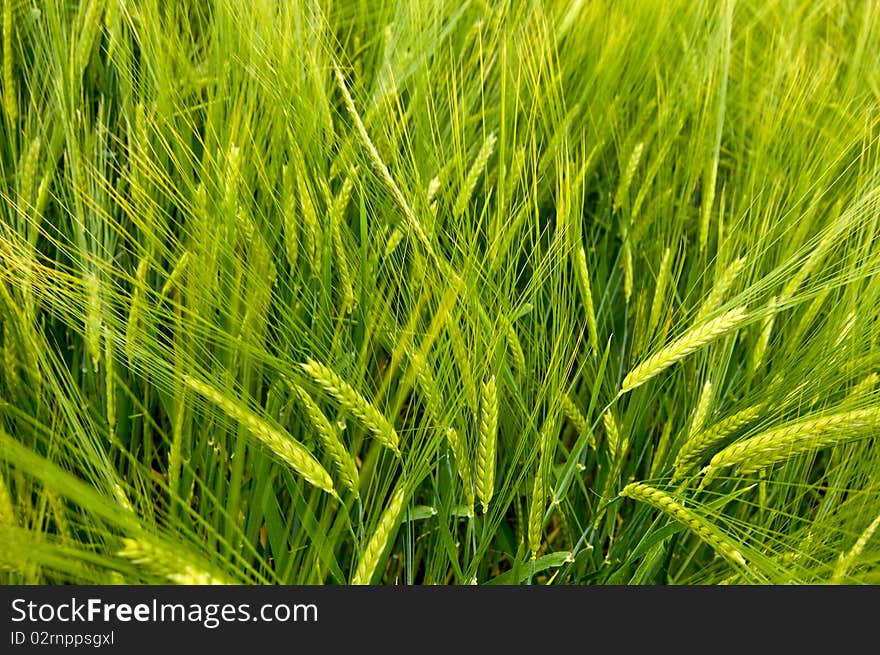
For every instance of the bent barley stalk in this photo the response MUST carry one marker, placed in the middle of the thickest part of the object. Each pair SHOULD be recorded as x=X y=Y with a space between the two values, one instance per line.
x=696 y=524
x=352 y=401
x=283 y=445
x=385 y=530
x=787 y=441
x=688 y=343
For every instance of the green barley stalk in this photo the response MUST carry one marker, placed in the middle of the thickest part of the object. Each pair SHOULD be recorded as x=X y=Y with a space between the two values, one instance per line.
x=847 y=559
x=337 y=212
x=787 y=441
x=462 y=466
x=699 y=526
x=612 y=434
x=10 y=95
x=353 y=402
x=348 y=473
x=385 y=530
x=571 y=411
x=720 y=289
x=7 y=509
x=704 y=440
x=384 y=173
x=473 y=176
x=659 y=456
x=486 y=449
x=281 y=444
x=171 y=566
x=628 y=273
x=628 y=174
x=660 y=290
x=701 y=413
x=689 y=342
x=583 y=278
x=760 y=348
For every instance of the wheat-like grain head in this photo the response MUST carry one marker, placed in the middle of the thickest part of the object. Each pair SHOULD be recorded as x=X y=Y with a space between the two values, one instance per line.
x=699 y=526
x=352 y=401
x=488 y=442
x=345 y=466
x=385 y=530
x=692 y=451
x=285 y=447
x=787 y=441
x=690 y=341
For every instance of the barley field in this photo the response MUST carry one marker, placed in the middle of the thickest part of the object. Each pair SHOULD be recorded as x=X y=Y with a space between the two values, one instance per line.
x=440 y=292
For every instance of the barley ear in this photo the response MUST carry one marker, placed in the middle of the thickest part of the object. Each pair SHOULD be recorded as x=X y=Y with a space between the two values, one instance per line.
x=385 y=531
x=175 y=568
x=488 y=442
x=583 y=278
x=7 y=509
x=473 y=176
x=846 y=560
x=701 y=413
x=10 y=95
x=380 y=166
x=720 y=288
x=285 y=447
x=352 y=401
x=536 y=515
x=338 y=453
x=703 y=441
x=571 y=411
x=699 y=526
x=628 y=174
x=462 y=465
x=612 y=434
x=783 y=443
x=689 y=342
x=660 y=291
